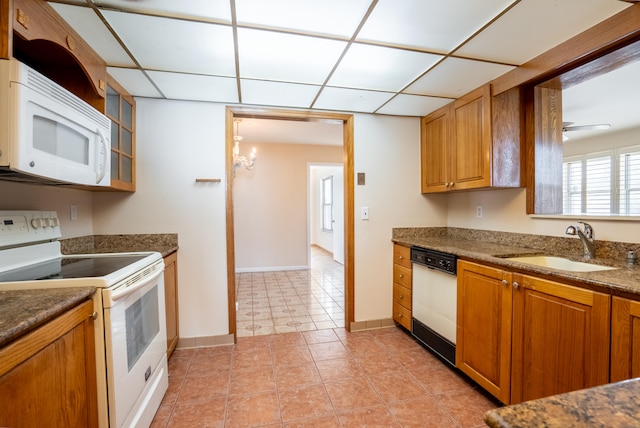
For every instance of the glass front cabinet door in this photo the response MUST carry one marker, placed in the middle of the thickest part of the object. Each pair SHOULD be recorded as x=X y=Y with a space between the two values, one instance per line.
x=121 y=109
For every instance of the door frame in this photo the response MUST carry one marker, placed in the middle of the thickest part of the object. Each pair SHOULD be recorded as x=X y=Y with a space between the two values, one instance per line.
x=348 y=171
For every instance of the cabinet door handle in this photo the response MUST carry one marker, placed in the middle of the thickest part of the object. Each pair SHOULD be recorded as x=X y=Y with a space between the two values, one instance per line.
x=516 y=285
x=399 y=315
x=401 y=297
x=401 y=276
x=505 y=282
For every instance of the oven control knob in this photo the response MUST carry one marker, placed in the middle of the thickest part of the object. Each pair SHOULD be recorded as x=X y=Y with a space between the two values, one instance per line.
x=37 y=223
x=54 y=222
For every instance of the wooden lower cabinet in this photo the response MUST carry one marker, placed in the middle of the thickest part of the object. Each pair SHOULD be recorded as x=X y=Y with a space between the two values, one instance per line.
x=483 y=348
x=402 y=285
x=561 y=337
x=48 y=377
x=521 y=337
x=171 y=300
x=625 y=339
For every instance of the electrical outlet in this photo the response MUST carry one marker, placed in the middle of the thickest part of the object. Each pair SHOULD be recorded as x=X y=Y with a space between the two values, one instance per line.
x=478 y=211
x=364 y=213
x=73 y=212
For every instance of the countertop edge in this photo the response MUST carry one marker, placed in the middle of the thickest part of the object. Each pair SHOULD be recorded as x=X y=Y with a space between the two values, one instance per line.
x=624 y=280
x=25 y=310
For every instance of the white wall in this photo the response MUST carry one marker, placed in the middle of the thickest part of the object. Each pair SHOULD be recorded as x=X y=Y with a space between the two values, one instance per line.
x=270 y=206
x=180 y=141
x=17 y=196
x=504 y=210
x=176 y=143
x=600 y=142
x=387 y=150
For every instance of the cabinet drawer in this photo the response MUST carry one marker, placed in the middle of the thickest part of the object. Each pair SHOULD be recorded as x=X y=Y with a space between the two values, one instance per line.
x=402 y=256
x=402 y=315
x=402 y=276
x=402 y=295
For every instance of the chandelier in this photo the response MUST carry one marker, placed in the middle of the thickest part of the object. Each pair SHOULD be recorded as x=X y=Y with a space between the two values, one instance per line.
x=239 y=160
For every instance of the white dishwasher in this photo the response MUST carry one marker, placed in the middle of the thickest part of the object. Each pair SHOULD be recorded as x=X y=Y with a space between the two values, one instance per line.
x=434 y=301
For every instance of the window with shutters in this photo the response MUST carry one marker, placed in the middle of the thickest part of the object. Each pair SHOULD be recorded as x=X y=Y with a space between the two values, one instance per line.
x=604 y=183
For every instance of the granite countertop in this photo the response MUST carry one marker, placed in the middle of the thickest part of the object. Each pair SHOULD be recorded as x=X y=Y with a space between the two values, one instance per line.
x=164 y=243
x=613 y=405
x=23 y=310
x=624 y=280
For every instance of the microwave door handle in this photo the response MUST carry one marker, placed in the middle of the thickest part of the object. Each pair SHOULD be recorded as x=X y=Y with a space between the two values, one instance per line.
x=105 y=153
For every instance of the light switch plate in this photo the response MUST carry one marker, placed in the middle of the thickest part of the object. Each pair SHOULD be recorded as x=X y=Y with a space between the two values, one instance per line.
x=364 y=213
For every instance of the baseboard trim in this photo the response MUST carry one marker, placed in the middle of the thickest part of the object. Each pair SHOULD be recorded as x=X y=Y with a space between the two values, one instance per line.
x=372 y=324
x=205 y=341
x=271 y=269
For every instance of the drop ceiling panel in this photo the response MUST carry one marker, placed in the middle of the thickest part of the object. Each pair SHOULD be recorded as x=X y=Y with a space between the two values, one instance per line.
x=380 y=68
x=435 y=25
x=176 y=45
x=533 y=27
x=261 y=92
x=179 y=86
x=89 y=26
x=329 y=17
x=344 y=99
x=268 y=55
x=413 y=105
x=134 y=81
x=218 y=10
x=454 y=77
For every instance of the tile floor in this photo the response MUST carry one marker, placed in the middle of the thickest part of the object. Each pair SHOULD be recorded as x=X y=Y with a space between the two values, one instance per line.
x=318 y=378
x=294 y=300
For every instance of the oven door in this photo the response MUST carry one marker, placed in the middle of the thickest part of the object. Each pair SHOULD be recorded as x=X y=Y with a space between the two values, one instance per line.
x=136 y=345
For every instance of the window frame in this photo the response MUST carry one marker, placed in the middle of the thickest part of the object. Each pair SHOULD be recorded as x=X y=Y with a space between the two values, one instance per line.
x=615 y=178
x=326 y=205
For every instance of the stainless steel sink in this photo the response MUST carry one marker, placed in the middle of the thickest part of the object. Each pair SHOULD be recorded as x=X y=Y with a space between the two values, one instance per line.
x=559 y=263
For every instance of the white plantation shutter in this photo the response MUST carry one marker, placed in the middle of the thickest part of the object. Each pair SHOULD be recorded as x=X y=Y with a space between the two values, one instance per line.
x=603 y=183
x=572 y=187
x=598 y=185
x=630 y=182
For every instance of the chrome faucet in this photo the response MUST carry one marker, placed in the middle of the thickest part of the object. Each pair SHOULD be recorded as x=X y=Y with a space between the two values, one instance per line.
x=588 y=241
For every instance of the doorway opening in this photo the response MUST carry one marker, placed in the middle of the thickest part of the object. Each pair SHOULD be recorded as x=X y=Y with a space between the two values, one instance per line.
x=346 y=122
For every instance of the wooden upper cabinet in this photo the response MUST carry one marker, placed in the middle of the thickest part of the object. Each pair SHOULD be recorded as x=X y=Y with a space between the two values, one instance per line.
x=40 y=38
x=34 y=33
x=434 y=150
x=121 y=109
x=471 y=140
x=459 y=151
x=561 y=338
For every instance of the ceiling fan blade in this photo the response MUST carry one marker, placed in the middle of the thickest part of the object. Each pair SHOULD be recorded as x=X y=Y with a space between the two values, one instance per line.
x=586 y=127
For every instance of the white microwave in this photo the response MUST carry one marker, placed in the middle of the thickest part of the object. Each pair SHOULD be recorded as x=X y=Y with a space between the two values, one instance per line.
x=48 y=134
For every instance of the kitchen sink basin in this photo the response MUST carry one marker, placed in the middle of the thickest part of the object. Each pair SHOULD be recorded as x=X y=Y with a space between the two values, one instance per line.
x=559 y=263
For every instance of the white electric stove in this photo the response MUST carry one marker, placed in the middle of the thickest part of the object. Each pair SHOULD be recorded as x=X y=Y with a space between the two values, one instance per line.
x=130 y=326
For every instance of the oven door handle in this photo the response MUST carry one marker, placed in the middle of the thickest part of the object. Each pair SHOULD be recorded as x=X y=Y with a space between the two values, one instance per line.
x=111 y=296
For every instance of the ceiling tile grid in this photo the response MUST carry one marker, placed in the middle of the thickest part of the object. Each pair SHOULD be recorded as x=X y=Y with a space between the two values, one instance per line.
x=397 y=57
